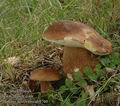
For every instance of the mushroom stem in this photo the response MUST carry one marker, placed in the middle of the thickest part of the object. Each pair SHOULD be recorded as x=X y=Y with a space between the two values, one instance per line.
x=74 y=57
x=45 y=86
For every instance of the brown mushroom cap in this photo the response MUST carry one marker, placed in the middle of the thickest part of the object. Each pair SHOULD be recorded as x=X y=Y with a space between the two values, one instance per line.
x=77 y=34
x=45 y=74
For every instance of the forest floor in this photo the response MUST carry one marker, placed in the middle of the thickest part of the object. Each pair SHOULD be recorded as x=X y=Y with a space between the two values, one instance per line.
x=22 y=50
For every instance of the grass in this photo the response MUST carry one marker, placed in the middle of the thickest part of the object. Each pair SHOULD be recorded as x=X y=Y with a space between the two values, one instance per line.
x=22 y=23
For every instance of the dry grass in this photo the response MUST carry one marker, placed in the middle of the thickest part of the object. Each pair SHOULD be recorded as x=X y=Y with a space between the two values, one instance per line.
x=22 y=23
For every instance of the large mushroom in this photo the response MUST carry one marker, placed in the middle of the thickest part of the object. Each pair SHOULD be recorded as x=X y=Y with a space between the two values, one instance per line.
x=45 y=76
x=81 y=43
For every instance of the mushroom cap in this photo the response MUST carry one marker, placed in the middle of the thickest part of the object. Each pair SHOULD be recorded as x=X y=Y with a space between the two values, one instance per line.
x=77 y=34
x=45 y=74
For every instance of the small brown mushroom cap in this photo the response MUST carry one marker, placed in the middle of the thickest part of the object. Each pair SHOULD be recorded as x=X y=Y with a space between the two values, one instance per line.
x=45 y=74
x=77 y=34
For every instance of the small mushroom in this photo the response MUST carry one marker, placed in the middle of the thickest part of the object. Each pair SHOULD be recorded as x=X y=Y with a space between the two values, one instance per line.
x=82 y=44
x=45 y=75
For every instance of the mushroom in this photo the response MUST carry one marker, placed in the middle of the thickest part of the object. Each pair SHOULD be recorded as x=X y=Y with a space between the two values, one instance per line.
x=45 y=75
x=82 y=44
